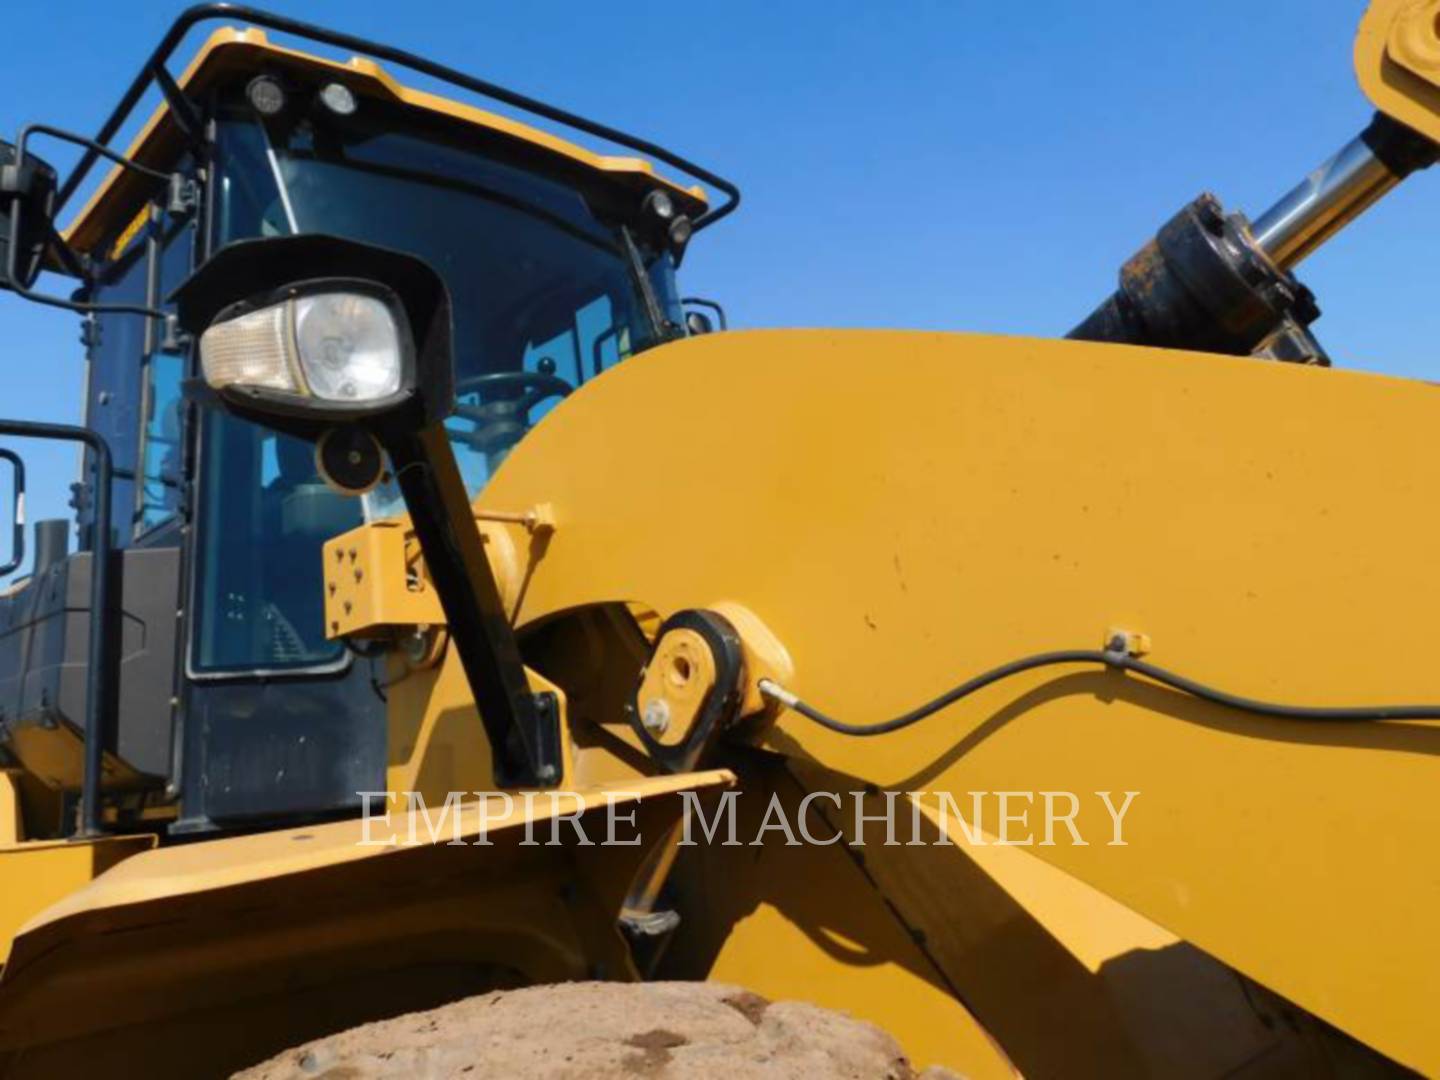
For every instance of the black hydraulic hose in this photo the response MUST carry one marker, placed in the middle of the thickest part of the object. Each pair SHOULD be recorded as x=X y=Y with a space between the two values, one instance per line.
x=1115 y=660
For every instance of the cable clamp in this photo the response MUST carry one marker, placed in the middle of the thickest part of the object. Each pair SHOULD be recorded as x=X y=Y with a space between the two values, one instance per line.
x=1125 y=644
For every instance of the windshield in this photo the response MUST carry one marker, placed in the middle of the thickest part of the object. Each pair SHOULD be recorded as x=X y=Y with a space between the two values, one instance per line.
x=546 y=295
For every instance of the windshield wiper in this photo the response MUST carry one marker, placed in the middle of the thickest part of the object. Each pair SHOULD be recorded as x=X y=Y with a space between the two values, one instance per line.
x=660 y=325
x=279 y=176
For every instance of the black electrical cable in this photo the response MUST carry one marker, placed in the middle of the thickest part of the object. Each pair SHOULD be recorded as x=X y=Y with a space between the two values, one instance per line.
x=1114 y=660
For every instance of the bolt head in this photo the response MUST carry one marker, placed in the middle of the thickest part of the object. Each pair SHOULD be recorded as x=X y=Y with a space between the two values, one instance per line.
x=655 y=717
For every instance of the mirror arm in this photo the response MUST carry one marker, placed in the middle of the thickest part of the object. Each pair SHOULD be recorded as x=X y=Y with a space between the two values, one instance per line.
x=80 y=140
x=523 y=727
x=73 y=260
x=56 y=241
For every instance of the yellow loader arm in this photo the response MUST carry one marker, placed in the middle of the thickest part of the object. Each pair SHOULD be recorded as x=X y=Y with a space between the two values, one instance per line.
x=902 y=510
x=1397 y=60
x=714 y=570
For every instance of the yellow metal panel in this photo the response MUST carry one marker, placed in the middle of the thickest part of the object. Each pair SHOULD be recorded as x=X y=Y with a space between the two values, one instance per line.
x=374 y=581
x=38 y=873
x=905 y=509
x=12 y=817
x=206 y=930
x=227 y=50
x=1397 y=60
x=807 y=924
x=1068 y=981
x=435 y=740
x=185 y=869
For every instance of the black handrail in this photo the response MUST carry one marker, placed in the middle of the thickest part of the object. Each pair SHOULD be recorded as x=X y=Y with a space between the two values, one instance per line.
x=103 y=648
x=700 y=301
x=270 y=21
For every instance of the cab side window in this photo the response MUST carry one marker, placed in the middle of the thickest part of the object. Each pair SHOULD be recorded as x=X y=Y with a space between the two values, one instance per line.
x=134 y=397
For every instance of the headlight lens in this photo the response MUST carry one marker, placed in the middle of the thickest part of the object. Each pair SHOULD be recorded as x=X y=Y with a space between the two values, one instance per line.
x=349 y=346
x=342 y=347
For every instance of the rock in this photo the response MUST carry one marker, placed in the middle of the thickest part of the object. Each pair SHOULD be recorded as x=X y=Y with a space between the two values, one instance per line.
x=598 y=1031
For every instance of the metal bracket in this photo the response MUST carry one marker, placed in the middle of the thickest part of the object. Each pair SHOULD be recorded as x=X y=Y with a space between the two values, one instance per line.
x=90 y=332
x=172 y=338
x=721 y=705
x=544 y=740
x=182 y=109
x=183 y=197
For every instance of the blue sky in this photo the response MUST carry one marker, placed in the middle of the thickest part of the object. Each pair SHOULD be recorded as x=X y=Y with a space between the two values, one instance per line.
x=915 y=163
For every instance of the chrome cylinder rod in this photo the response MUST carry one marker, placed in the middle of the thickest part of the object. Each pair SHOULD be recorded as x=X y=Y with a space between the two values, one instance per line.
x=1323 y=203
x=1338 y=191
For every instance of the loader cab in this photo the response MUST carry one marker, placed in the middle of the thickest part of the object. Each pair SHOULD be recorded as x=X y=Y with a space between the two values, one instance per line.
x=231 y=706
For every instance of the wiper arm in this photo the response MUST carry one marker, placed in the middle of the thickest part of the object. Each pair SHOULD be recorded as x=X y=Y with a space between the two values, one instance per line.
x=658 y=323
x=279 y=177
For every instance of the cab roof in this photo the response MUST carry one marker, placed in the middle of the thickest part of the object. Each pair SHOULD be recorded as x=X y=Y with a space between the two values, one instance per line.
x=229 y=52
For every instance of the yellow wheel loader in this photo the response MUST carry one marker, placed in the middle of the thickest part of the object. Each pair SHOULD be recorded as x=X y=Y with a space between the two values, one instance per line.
x=458 y=606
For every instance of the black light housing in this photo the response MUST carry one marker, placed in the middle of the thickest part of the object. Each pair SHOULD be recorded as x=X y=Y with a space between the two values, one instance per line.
x=240 y=283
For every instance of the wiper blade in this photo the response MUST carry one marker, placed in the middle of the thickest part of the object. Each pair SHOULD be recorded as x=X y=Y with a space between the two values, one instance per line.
x=658 y=323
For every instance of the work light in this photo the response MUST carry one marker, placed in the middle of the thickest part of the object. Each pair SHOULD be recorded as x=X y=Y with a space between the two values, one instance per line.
x=266 y=95
x=338 y=98
x=659 y=204
x=343 y=345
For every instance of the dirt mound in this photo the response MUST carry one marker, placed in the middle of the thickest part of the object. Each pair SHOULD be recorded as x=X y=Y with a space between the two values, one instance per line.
x=598 y=1031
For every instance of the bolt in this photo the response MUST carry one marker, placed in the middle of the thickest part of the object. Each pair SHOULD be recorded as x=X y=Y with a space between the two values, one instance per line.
x=1210 y=213
x=656 y=716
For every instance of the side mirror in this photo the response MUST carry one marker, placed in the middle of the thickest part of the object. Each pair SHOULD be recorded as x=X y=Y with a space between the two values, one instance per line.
x=697 y=322
x=15 y=504
x=27 y=216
